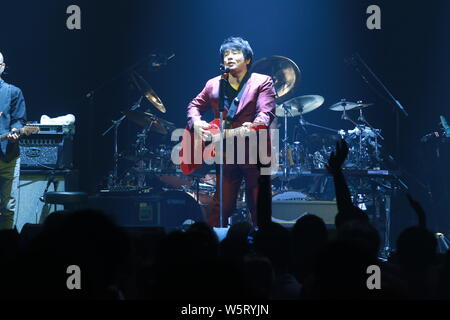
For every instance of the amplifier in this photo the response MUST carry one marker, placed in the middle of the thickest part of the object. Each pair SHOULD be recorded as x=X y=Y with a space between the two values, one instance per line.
x=51 y=148
x=32 y=186
x=169 y=209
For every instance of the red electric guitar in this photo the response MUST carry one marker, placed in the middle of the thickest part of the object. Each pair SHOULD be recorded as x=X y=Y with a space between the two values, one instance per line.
x=192 y=143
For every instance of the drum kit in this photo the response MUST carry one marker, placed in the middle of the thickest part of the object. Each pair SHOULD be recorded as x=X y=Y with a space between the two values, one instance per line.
x=305 y=150
x=312 y=150
x=152 y=168
x=149 y=169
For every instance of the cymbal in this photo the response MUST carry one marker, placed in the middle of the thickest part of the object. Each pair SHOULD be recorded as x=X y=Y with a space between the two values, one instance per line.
x=148 y=120
x=155 y=100
x=169 y=125
x=300 y=105
x=148 y=92
x=347 y=105
x=284 y=72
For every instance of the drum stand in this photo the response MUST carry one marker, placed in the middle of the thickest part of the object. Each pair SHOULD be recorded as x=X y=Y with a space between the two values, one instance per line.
x=284 y=180
x=378 y=135
x=196 y=183
x=387 y=228
x=306 y=123
x=115 y=126
x=358 y=126
x=309 y=162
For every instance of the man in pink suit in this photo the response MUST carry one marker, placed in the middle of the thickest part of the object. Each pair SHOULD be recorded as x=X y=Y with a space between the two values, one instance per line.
x=256 y=106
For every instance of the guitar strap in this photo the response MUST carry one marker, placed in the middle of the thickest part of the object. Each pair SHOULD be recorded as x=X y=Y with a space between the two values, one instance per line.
x=235 y=103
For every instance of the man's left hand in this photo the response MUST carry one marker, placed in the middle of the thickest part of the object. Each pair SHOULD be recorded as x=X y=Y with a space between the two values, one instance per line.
x=14 y=135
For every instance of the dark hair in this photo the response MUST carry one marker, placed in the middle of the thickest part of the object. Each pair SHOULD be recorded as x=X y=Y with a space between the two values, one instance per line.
x=237 y=43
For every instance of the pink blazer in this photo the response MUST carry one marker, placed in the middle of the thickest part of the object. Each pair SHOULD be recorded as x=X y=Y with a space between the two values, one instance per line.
x=257 y=103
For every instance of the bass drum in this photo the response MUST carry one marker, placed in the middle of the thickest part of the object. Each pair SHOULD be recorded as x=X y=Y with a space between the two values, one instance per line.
x=290 y=195
x=178 y=209
x=286 y=206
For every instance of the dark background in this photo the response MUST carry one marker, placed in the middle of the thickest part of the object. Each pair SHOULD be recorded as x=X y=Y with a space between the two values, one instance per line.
x=56 y=68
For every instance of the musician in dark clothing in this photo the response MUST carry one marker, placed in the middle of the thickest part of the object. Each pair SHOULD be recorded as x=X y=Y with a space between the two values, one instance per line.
x=12 y=118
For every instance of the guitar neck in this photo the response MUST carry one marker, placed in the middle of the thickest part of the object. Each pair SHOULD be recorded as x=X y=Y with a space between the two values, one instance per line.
x=27 y=130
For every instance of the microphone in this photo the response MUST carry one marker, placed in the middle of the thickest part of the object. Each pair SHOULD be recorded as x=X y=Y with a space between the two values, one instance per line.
x=224 y=68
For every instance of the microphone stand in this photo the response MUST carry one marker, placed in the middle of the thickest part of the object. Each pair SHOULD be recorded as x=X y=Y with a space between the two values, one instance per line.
x=395 y=101
x=344 y=114
x=223 y=80
x=392 y=99
x=151 y=58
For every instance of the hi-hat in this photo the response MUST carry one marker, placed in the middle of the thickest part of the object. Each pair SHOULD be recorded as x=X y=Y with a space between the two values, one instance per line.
x=148 y=92
x=148 y=120
x=299 y=105
x=284 y=72
x=347 y=105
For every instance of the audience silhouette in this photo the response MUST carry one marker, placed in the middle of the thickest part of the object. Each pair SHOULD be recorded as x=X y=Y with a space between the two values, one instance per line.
x=268 y=262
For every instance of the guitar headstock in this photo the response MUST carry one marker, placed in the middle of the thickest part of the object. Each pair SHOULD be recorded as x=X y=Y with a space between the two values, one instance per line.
x=29 y=129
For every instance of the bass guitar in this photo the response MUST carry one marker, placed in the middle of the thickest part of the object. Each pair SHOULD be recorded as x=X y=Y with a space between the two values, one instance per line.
x=27 y=130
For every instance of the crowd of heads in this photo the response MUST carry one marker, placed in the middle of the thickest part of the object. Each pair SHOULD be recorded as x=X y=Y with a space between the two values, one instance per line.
x=308 y=261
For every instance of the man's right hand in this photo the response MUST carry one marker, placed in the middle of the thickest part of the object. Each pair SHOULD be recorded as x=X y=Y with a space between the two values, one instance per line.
x=199 y=128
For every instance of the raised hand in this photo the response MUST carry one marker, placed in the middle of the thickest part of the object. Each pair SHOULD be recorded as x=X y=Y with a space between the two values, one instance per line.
x=337 y=157
x=418 y=209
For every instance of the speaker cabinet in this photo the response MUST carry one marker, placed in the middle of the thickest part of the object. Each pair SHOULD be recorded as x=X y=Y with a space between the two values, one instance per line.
x=32 y=185
x=287 y=212
x=168 y=209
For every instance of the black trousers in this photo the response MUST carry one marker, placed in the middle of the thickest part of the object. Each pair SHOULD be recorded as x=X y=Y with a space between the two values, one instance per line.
x=233 y=175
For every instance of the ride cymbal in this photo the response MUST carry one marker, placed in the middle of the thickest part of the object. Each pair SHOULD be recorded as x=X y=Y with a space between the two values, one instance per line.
x=150 y=121
x=299 y=105
x=348 y=105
